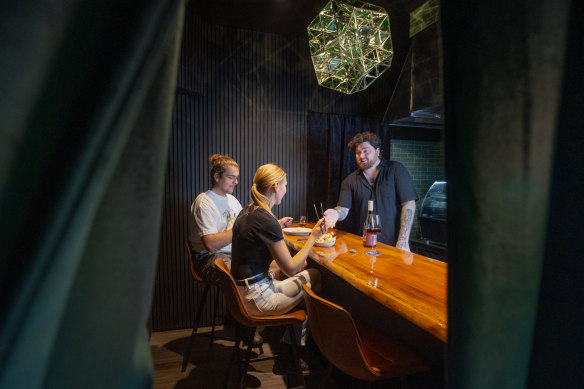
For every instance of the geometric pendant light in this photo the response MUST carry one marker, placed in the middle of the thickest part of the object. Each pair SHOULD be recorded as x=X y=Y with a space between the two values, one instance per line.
x=350 y=45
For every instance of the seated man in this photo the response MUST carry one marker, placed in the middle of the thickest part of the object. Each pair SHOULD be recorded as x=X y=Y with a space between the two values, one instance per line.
x=211 y=217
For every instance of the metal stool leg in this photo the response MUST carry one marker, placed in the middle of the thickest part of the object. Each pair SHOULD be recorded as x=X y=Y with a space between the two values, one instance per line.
x=198 y=318
x=239 y=340
x=296 y=354
x=246 y=361
x=215 y=314
x=234 y=353
x=326 y=375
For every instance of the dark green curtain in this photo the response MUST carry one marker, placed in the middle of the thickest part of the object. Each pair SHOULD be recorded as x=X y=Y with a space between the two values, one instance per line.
x=558 y=342
x=86 y=89
x=513 y=108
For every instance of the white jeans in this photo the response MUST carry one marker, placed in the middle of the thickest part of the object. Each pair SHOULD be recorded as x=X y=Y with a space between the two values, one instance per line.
x=273 y=297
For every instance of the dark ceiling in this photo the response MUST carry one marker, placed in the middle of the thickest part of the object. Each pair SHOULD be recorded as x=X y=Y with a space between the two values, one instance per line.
x=284 y=17
x=291 y=17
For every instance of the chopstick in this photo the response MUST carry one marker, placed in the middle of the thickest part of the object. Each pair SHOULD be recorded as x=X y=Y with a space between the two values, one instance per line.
x=322 y=228
x=322 y=212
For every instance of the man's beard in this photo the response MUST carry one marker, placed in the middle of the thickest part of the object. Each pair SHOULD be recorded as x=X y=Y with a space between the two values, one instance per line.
x=366 y=165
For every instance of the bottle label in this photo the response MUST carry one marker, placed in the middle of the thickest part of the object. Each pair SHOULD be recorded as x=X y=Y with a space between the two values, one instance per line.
x=369 y=240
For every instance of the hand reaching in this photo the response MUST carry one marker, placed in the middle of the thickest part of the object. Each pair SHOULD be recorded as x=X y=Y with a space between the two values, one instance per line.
x=285 y=221
x=332 y=217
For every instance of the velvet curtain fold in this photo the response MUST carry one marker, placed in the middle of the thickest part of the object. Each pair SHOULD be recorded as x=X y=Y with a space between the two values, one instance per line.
x=330 y=160
x=87 y=95
x=514 y=164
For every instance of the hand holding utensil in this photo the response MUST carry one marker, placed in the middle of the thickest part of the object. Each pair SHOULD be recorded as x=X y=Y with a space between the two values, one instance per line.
x=323 y=228
x=326 y=225
x=318 y=230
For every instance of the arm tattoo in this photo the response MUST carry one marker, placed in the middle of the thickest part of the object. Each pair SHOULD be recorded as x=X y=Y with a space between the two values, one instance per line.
x=406 y=224
x=342 y=212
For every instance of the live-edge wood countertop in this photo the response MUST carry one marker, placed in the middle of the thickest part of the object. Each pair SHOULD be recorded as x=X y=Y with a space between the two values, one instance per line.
x=411 y=285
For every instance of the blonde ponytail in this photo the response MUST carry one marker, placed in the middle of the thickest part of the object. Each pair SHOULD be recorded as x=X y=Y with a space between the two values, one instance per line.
x=264 y=178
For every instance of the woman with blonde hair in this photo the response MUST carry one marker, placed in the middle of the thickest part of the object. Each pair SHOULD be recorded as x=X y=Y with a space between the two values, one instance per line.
x=257 y=239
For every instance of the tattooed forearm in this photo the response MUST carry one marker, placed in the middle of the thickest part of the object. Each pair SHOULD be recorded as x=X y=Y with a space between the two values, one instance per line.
x=406 y=224
x=406 y=220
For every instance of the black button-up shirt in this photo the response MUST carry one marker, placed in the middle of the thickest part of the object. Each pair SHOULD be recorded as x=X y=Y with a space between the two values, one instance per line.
x=393 y=186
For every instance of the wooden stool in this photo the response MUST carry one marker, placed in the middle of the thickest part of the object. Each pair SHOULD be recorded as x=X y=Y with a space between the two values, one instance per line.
x=245 y=319
x=363 y=353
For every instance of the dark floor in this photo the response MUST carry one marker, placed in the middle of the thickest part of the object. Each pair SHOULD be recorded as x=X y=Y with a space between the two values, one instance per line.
x=208 y=364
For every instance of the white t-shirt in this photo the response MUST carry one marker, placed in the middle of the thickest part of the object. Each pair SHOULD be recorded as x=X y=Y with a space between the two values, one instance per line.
x=211 y=213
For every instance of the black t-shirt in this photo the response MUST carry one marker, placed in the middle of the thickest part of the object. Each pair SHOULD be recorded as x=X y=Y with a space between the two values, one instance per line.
x=254 y=228
x=393 y=186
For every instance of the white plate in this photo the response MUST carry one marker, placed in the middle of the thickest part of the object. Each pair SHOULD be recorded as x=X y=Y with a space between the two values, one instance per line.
x=299 y=231
x=326 y=244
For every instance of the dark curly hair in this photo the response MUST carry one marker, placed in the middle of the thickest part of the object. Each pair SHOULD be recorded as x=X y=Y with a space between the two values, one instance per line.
x=364 y=137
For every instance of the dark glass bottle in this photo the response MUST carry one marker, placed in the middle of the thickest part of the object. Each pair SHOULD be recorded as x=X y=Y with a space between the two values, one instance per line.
x=369 y=236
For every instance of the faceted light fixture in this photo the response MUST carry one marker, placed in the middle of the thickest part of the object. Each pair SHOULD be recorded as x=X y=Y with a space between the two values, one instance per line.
x=350 y=45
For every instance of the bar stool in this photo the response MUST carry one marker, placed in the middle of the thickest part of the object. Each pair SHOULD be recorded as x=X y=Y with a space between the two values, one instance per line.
x=206 y=287
x=244 y=319
x=364 y=353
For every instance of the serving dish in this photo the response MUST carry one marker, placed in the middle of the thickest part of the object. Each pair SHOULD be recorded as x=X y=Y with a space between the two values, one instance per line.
x=297 y=231
x=327 y=240
x=326 y=244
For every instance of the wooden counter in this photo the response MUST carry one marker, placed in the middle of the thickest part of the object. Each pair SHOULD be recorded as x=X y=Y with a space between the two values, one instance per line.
x=413 y=286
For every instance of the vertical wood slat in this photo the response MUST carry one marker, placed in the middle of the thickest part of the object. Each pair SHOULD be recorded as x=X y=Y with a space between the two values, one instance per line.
x=239 y=86
x=246 y=94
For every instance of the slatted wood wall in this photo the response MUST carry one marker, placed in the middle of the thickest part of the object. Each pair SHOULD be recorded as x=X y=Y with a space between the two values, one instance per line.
x=245 y=94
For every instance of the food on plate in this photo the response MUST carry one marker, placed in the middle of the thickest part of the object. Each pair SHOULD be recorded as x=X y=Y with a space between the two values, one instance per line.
x=329 y=237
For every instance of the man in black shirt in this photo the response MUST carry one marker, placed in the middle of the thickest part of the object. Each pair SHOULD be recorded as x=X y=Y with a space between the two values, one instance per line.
x=387 y=183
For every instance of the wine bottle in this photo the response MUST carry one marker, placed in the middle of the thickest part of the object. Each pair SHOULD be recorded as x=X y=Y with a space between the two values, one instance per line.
x=369 y=240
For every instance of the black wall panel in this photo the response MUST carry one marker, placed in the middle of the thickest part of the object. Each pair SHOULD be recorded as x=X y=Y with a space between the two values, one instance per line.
x=245 y=94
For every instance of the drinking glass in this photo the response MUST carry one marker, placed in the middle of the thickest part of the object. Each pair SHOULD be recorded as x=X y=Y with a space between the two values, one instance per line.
x=302 y=221
x=373 y=227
